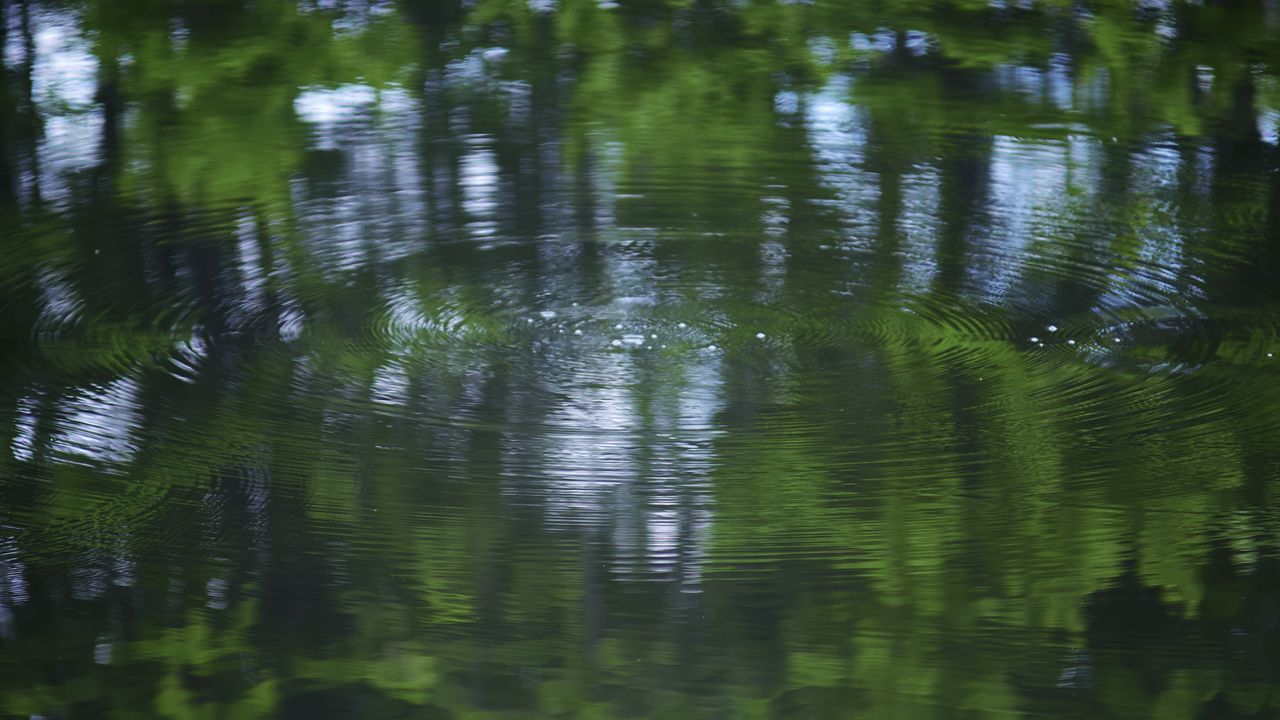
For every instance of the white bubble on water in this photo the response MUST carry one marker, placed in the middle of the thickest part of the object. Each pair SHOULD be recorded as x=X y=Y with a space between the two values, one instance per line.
x=547 y=314
x=1035 y=339
x=681 y=325
x=616 y=343
x=1052 y=328
x=578 y=331
x=1071 y=342
x=759 y=336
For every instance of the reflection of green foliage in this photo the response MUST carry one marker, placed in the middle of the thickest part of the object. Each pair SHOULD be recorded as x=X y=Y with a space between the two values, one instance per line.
x=974 y=498
x=219 y=123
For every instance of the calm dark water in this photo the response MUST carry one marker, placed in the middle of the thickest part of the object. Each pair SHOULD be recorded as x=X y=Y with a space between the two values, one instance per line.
x=573 y=359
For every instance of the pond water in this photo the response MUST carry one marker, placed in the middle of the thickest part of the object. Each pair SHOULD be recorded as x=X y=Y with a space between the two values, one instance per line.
x=639 y=359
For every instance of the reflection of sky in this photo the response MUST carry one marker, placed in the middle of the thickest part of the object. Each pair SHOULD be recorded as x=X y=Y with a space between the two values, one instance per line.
x=1053 y=84
x=65 y=70
x=61 y=304
x=837 y=132
x=1269 y=126
x=356 y=14
x=15 y=53
x=23 y=444
x=1160 y=233
x=919 y=225
x=377 y=212
x=1028 y=183
x=328 y=109
x=478 y=177
x=64 y=84
x=772 y=247
x=391 y=384
x=100 y=423
x=252 y=273
x=643 y=477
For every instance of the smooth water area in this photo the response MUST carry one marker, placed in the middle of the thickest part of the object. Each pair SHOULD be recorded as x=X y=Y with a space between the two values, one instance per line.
x=639 y=359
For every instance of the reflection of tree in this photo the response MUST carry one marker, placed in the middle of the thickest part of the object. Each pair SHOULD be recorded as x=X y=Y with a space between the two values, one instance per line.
x=378 y=533
x=20 y=120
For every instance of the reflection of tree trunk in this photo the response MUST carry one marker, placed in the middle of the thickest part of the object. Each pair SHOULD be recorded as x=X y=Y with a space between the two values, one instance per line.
x=1269 y=262
x=1239 y=141
x=1115 y=187
x=884 y=162
x=29 y=130
x=442 y=156
x=206 y=262
x=7 y=109
x=108 y=96
x=592 y=602
x=1240 y=153
x=269 y=320
x=964 y=194
x=584 y=191
x=431 y=16
x=1073 y=292
x=23 y=302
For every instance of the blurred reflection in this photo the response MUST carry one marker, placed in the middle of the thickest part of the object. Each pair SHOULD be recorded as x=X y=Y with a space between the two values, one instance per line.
x=430 y=359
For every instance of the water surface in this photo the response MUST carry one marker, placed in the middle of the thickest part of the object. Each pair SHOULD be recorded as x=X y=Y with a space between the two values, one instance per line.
x=427 y=359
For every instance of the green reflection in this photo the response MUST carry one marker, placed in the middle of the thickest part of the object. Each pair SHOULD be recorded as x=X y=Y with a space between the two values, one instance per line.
x=662 y=360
